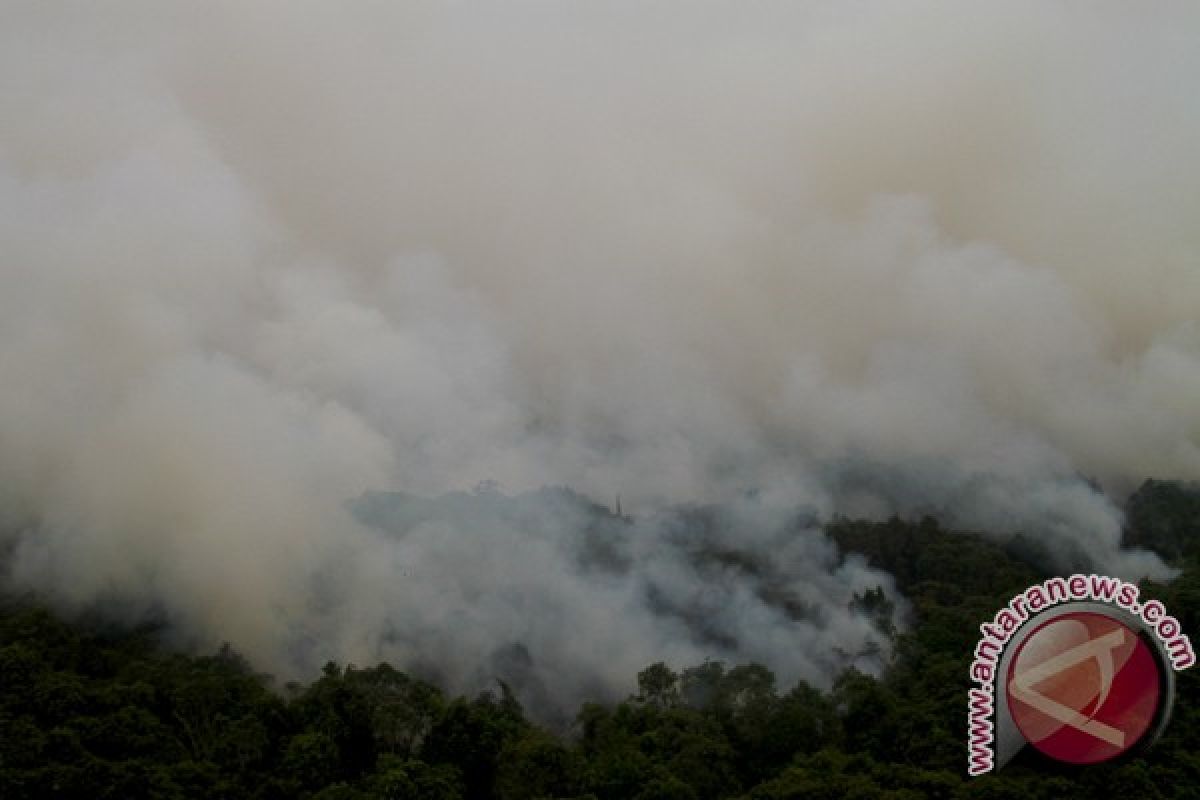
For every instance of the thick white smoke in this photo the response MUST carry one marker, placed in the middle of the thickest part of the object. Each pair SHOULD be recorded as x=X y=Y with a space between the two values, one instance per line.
x=256 y=259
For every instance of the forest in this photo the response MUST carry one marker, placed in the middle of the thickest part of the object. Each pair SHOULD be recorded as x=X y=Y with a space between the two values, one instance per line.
x=93 y=710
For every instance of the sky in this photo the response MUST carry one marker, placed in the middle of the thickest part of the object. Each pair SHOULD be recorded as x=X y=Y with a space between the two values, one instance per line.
x=870 y=258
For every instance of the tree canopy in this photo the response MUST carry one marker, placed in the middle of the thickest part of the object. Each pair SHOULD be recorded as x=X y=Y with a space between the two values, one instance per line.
x=87 y=710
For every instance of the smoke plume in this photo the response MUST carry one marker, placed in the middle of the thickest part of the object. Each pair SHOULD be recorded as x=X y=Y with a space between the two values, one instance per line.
x=780 y=260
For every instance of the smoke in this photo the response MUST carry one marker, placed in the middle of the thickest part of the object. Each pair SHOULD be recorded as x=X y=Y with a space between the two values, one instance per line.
x=566 y=600
x=862 y=258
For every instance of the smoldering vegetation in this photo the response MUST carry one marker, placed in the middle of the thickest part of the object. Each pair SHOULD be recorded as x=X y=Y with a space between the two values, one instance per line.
x=567 y=595
x=863 y=259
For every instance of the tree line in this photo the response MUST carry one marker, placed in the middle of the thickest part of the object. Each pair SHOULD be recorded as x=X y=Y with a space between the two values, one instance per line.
x=92 y=711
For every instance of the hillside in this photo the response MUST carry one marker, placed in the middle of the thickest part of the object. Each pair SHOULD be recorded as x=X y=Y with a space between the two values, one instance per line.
x=87 y=710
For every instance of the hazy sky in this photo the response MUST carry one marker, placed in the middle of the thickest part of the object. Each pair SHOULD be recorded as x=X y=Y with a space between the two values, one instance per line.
x=257 y=258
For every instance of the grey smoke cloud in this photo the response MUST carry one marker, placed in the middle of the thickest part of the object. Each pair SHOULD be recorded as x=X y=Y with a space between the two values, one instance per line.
x=863 y=258
x=566 y=600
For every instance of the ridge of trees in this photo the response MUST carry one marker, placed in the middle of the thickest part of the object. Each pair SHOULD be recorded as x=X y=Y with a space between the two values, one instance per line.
x=89 y=711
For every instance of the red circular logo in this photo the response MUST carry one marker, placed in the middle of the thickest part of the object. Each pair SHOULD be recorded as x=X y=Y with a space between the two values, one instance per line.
x=1083 y=688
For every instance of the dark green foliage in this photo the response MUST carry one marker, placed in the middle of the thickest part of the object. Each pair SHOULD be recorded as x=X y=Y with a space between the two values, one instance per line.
x=89 y=712
x=658 y=685
x=471 y=736
x=1164 y=516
